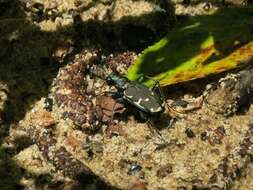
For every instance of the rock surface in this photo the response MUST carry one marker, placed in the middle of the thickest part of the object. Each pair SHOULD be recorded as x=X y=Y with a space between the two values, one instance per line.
x=58 y=123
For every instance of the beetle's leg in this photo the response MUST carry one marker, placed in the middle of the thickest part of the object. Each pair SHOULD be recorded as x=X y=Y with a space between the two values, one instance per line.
x=152 y=128
x=118 y=96
x=156 y=86
x=109 y=93
x=113 y=112
x=160 y=92
x=115 y=95
x=142 y=77
x=143 y=116
x=157 y=89
x=155 y=130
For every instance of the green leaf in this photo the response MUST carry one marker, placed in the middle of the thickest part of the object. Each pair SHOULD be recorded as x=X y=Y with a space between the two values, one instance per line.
x=201 y=46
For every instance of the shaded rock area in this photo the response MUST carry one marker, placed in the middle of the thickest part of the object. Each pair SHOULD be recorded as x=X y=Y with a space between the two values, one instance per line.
x=60 y=128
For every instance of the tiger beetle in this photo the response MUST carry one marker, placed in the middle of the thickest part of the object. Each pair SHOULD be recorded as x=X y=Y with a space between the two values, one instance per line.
x=149 y=102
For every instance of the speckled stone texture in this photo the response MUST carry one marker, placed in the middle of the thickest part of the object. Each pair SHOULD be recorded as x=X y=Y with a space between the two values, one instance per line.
x=52 y=110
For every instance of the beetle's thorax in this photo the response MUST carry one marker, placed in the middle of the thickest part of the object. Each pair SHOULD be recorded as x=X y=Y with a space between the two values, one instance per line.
x=119 y=82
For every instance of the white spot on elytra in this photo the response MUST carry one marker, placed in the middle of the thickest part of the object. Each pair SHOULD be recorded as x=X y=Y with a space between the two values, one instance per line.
x=157 y=110
x=139 y=101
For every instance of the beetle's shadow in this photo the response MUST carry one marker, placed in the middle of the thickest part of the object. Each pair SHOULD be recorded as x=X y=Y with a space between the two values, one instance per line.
x=160 y=121
x=163 y=121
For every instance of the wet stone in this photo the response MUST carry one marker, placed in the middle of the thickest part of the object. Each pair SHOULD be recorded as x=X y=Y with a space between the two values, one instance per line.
x=203 y=136
x=189 y=133
x=133 y=169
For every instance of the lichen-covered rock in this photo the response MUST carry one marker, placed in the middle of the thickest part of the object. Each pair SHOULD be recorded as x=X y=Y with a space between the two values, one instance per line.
x=231 y=93
x=70 y=94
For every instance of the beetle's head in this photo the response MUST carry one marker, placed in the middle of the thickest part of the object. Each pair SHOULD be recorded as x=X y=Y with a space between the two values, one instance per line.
x=117 y=81
x=111 y=79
